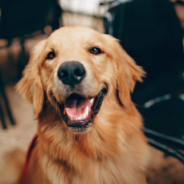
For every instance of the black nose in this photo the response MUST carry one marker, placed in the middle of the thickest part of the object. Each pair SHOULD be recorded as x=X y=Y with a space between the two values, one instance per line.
x=71 y=73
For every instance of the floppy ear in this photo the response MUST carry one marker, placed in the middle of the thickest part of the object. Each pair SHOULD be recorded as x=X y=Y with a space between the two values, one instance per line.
x=30 y=85
x=128 y=74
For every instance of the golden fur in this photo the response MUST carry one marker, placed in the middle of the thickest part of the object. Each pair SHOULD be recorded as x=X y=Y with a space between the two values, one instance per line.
x=114 y=149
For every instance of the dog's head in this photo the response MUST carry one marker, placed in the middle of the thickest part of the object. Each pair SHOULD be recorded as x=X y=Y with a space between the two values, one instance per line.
x=76 y=70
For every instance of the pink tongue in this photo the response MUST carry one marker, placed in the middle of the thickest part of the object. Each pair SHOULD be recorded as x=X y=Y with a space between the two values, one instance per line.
x=77 y=109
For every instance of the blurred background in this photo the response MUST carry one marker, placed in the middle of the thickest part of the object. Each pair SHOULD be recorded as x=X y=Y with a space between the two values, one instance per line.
x=151 y=31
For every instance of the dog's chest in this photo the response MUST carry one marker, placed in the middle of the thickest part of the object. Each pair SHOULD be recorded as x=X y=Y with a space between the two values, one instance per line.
x=107 y=172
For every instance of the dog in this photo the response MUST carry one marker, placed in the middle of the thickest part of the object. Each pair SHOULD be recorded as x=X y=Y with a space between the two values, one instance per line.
x=89 y=131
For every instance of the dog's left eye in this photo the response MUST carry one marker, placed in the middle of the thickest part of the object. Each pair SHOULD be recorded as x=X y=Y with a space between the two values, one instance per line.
x=51 y=55
x=95 y=50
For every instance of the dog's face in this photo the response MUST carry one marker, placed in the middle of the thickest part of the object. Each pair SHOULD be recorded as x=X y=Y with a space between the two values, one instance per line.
x=76 y=70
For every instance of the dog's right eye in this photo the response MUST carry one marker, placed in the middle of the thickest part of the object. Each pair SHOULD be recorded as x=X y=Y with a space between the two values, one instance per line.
x=95 y=50
x=51 y=55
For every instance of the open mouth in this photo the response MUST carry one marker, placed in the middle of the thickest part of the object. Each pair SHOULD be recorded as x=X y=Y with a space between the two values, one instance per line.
x=78 y=112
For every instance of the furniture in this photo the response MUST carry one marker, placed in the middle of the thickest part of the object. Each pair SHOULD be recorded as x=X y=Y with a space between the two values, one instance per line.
x=21 y=19
x=151 y=33
x=6 y=104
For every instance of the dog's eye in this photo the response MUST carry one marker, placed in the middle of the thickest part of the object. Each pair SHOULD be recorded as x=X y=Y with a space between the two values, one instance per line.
x=51 y=55
x=95 y=50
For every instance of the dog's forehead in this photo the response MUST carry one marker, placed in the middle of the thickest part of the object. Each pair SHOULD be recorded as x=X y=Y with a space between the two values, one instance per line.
x=74 y=36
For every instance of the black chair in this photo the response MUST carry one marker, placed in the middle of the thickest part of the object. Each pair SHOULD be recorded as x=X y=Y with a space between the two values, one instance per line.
x=150 y=32
x=6 y=104
x=22 y=19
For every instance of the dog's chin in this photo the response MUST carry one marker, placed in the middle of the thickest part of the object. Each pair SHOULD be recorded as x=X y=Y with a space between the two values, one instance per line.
x=79 y=112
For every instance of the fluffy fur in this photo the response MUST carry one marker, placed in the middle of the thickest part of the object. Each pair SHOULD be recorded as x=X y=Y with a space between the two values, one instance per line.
x=114 y=149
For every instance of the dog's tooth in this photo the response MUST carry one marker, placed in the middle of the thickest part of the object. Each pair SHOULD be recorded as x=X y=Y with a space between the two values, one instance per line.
x=91 y=101
x=87 y=110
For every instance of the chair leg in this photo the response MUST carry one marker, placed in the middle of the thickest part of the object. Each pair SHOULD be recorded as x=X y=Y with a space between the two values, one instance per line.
x=8 y=108
x=2 y=119
x=2 y=90
x=10 y=55
x=22 y=59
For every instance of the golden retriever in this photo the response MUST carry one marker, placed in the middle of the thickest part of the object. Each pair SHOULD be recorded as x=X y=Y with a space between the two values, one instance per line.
x=89 y=131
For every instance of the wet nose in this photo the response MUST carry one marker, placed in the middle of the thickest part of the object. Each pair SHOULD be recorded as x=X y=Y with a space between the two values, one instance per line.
x=71 y=73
